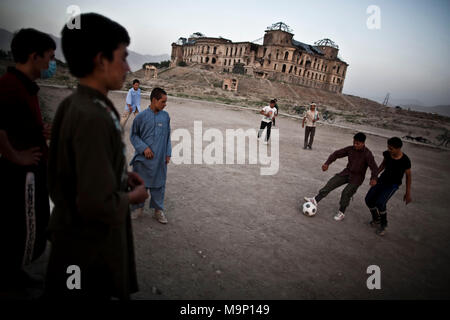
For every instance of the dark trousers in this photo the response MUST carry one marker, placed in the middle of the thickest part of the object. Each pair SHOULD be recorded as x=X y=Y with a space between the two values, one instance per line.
x=336 y=182
x=309 y=132
x=273 y=121
x=23 y=221
x=263 y=126
x=377 y=198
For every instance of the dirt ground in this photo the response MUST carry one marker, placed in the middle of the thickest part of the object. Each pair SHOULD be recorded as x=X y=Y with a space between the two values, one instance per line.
x=234 y=234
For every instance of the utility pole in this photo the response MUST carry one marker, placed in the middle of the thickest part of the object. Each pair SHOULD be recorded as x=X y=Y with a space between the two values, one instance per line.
x=386 y=100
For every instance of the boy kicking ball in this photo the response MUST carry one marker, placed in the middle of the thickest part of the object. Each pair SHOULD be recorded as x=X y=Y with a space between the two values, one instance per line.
x=359 y=159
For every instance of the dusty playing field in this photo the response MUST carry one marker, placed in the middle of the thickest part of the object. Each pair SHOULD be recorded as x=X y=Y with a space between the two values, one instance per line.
x=234 y=234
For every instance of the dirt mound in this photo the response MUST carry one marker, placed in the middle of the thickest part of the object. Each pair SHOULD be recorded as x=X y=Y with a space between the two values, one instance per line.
x=198 y=82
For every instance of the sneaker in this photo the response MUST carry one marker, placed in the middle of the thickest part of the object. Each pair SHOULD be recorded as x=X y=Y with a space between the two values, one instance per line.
x=160 y=216
x=339 y=216
x=135 y=214
x=313 y=200
x=381 y=231
x=265 y=142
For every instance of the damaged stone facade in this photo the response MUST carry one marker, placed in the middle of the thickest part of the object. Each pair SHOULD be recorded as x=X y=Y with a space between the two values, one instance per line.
x=279 y=58
x=230 y=84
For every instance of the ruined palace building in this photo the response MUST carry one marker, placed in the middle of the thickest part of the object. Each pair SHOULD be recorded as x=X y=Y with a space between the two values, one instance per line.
x=279 y=58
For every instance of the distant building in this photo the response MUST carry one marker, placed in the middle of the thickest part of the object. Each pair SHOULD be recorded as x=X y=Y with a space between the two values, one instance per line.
x=150 y=72
x=280 y=57
x=230 y=84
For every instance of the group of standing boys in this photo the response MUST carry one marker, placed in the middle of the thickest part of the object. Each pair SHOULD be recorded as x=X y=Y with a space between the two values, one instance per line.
x=84 y=171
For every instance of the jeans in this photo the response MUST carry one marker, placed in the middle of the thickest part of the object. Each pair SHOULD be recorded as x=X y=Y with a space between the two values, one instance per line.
x=377 y=198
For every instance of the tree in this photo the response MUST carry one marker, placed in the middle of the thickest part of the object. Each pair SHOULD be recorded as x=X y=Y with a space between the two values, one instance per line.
x=164 y=64
x=238 y=68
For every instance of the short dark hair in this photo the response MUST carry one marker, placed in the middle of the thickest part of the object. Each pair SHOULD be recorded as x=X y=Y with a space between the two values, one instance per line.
x=395 y=142
x=273 y=101
x=28 y=41
x=96 y=34
x=157 y=93
x=361 y=137
x=135 y=81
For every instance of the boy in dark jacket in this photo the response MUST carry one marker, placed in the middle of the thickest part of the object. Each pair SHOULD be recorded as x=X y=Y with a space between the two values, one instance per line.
x=92 y=252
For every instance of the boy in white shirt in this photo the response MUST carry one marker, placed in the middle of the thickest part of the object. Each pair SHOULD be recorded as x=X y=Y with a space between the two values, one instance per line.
x=311 y=116
x=268 y=113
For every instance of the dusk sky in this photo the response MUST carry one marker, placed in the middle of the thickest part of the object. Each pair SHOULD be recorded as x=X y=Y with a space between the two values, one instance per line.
x=408 y=56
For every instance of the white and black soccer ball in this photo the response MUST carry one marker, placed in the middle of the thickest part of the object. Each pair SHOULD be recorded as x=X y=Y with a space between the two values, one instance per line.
x=309 y=209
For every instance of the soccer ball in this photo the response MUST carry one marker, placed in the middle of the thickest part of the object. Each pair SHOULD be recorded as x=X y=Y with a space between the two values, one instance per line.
x=309 y=209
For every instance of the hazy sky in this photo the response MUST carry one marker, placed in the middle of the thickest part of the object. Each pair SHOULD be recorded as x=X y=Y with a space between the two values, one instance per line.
x=409 y=56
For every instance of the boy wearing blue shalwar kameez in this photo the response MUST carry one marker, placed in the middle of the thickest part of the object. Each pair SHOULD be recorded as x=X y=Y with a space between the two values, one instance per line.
x=133 y=103
x=150 y=137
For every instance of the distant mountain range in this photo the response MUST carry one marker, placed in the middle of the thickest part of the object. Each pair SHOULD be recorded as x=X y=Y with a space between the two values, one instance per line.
x=135 y=60
x=442 y=110
x=416 y=105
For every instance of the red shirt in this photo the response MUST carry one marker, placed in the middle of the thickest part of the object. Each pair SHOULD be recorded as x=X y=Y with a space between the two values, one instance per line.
x=358 y=162
x=20 y=114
